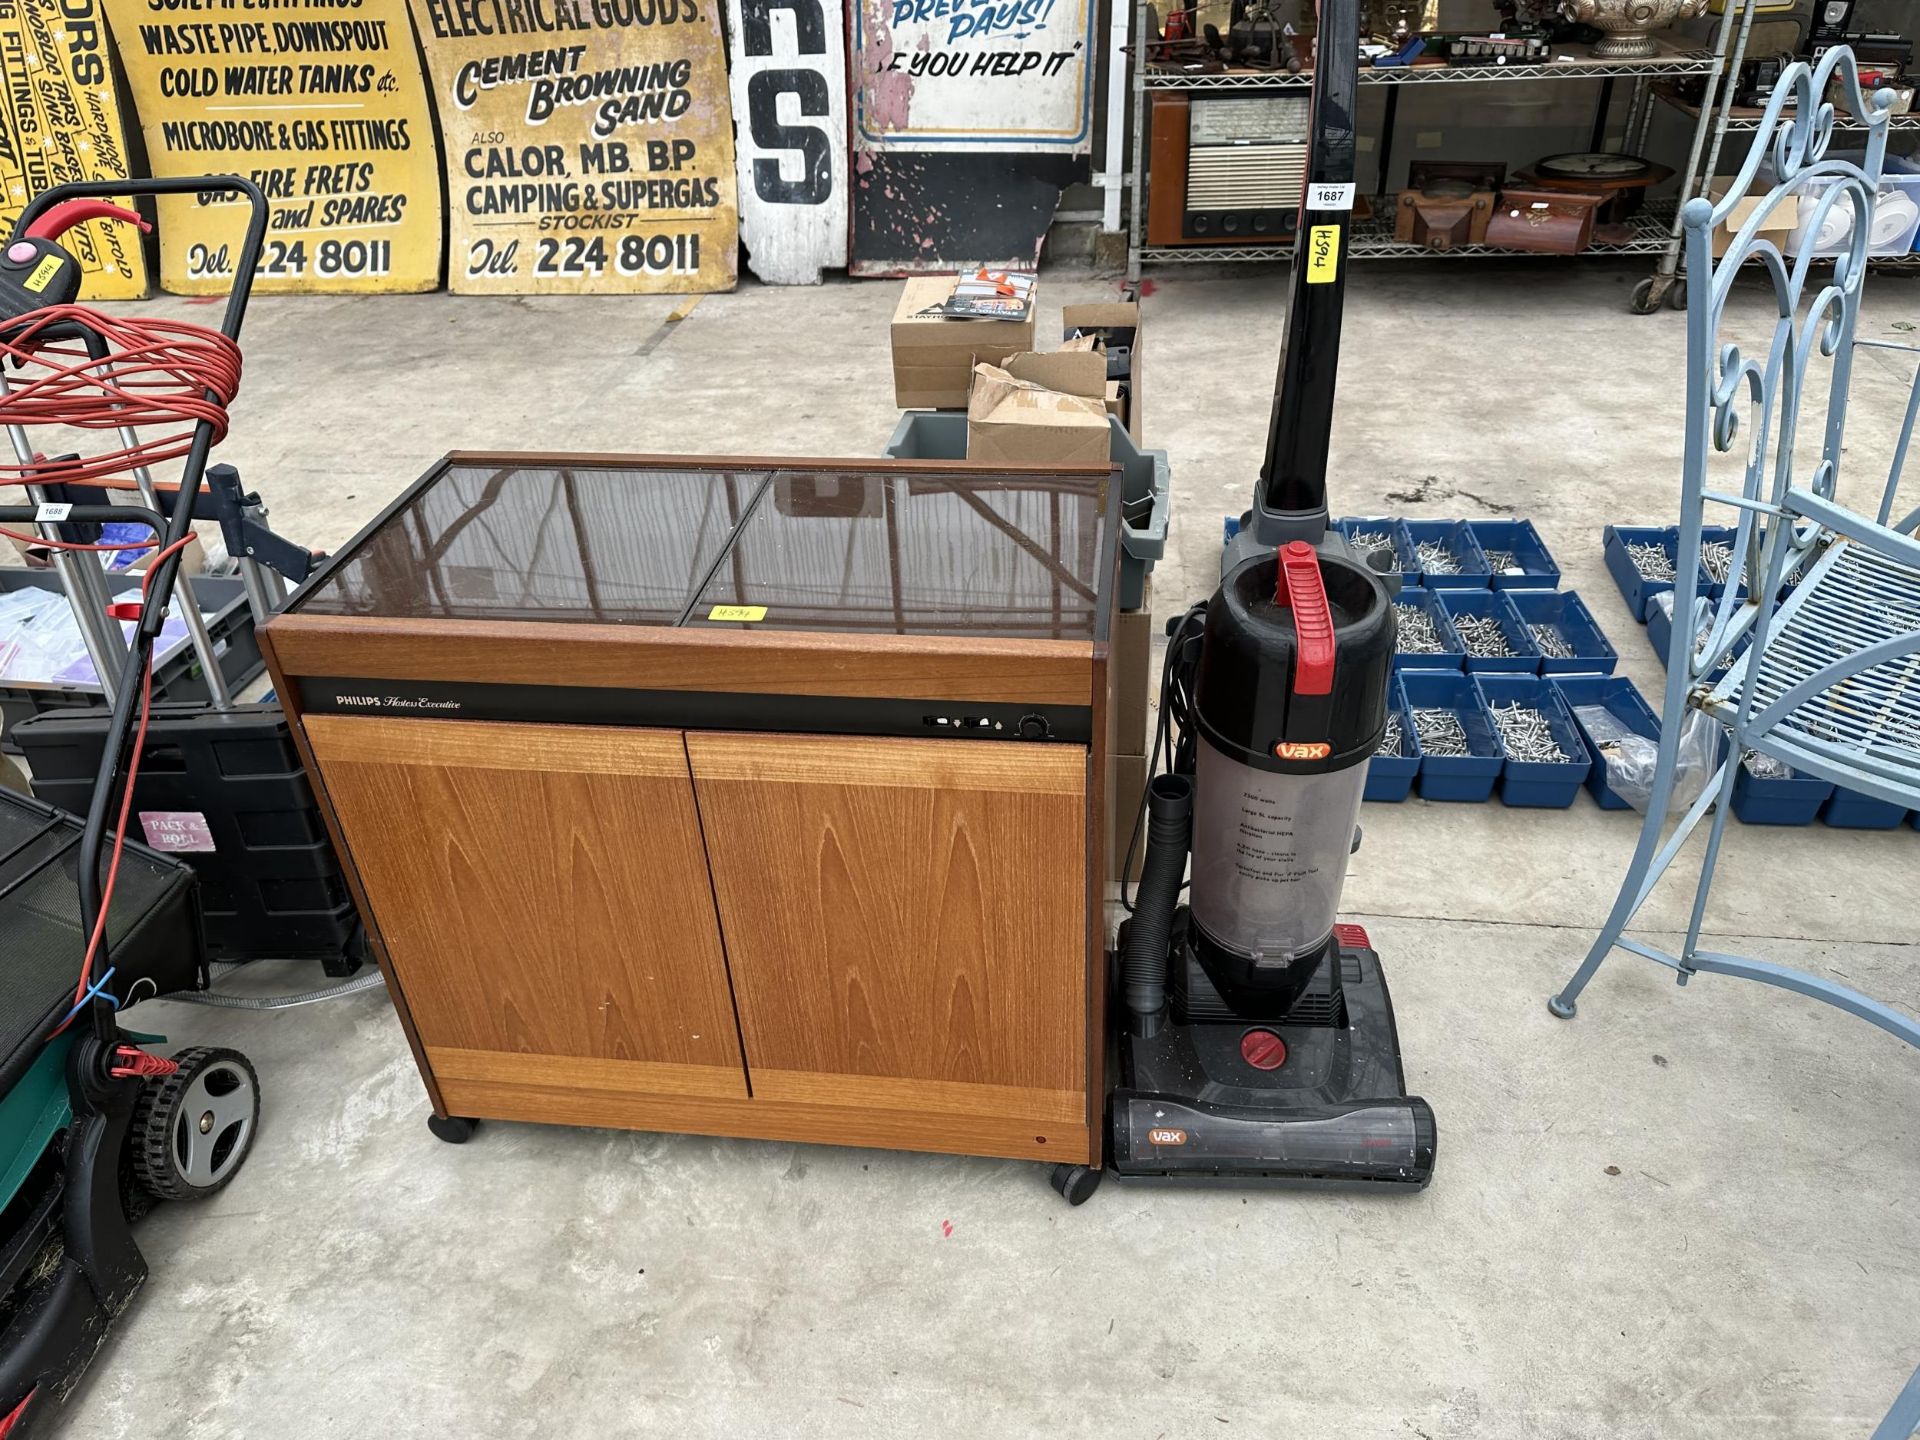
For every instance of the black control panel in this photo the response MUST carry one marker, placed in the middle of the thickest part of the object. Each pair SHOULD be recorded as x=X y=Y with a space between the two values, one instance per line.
x=698 y=710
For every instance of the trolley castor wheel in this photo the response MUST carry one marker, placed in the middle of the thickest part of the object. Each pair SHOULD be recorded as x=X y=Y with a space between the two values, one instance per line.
x=1563 y=1008
x=1677 y=296
x=1643 y=301
x=1076 y=1183
x=192 y=1130
x=454 y=1129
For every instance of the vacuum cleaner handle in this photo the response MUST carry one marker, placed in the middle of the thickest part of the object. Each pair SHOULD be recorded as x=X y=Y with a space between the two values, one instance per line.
x=1290 y=502
x=250 y=246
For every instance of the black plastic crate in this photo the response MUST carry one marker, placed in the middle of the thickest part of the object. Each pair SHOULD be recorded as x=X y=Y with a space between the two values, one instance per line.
x=178 y=677
x=153 y=925
x=223 y=790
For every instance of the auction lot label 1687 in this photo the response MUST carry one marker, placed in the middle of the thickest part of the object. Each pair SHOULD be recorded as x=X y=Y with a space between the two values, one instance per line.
x=589 y=144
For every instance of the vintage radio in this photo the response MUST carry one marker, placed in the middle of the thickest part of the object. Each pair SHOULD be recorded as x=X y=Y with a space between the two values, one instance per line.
x=1226 y=170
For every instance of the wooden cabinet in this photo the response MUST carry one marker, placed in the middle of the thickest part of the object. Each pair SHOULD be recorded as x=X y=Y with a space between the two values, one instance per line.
x=904 y=920
x=730 y=797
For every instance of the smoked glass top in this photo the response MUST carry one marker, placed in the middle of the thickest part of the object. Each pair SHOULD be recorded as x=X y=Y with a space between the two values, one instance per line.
x=538 y=541
x=879 y=551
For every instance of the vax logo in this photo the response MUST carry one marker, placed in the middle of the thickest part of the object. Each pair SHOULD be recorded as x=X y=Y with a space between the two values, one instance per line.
x=1301 y=749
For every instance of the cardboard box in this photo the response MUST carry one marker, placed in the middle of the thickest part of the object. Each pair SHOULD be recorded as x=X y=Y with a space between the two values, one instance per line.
x=1129 y=661
x=1777 y=226
x=1117 y=326
x=1129 y=776
x=934 y=356
x=1040 y=410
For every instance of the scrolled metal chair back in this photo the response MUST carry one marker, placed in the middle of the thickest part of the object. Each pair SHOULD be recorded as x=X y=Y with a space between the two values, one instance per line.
x=1736 y=397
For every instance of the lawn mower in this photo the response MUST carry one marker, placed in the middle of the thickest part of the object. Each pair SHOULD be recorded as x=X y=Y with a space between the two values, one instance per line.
x=93 y=1125
x=1257 y=1038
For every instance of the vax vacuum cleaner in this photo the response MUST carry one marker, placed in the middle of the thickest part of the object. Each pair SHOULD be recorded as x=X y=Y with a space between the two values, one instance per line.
x=1258 y=1038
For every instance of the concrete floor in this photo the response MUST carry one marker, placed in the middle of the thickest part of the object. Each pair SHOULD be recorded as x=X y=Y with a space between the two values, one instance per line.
x=1687 y=1214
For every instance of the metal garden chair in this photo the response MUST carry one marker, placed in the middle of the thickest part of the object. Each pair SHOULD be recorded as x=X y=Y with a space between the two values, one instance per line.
x=1826 y=680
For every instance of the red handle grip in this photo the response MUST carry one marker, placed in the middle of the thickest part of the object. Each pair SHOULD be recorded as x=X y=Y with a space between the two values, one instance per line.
x=1302 y=590
x=69 y=213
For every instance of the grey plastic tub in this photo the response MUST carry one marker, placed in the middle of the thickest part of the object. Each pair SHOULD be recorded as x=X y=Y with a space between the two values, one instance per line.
x=942 y=435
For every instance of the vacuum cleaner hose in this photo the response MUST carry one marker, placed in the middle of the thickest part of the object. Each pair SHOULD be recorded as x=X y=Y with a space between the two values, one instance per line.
x=1144 y=966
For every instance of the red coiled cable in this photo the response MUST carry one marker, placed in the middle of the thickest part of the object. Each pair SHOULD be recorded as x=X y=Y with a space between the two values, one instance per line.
x=133 y=772
x=158 y=374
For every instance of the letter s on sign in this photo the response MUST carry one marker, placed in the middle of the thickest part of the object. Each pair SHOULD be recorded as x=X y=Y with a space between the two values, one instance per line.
x=815 y=185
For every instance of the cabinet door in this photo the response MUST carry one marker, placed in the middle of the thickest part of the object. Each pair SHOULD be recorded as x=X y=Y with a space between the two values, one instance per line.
x=906 y=927
x=543 y=897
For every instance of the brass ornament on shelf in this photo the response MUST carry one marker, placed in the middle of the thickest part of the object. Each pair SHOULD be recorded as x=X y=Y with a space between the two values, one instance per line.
x=1628 y=25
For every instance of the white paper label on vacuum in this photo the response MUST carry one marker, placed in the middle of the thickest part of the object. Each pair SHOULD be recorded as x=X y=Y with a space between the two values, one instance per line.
x=177 y=831
x=1330 y=197
x=51 y=514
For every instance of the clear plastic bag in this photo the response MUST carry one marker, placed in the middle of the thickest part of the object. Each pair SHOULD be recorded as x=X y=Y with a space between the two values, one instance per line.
x=1631 y=758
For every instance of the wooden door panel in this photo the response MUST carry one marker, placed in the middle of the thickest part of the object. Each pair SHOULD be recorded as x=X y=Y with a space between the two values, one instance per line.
x=541 y=890
x=905 y=920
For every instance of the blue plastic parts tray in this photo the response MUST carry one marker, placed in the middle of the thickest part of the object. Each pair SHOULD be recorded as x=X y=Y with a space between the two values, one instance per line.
x=1567 y=613
x=1533 y=566
x=1539 y=784
x=1390 y=777
x=1636 y=588
x=1850 y=810
x=1457 y=536
x=1724 y=534
x=1623 y=700
x=1407 y=570
x=1659 y=626
x=1445 y=777
x=1525 y=659
x=1763 y=800
x=1660 y=636
x=1413 y=660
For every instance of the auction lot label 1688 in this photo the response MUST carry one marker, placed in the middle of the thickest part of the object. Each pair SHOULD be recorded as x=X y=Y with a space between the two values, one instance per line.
x=589 y=144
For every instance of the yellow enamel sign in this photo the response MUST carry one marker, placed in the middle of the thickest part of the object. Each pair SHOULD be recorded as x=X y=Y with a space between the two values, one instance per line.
x=589 y=144
x=319 y=102
x=62 y=122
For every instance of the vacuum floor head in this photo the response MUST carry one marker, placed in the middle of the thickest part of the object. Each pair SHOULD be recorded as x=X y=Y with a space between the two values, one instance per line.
x=1314 y=1097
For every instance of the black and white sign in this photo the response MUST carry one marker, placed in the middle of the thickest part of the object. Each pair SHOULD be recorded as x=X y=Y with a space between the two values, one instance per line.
x=789 y=86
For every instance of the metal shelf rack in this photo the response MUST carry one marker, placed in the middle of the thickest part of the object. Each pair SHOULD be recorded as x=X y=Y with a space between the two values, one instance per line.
x=1746 y=119
x=1373 y=239
x=1575 y=65
x=1715 y=117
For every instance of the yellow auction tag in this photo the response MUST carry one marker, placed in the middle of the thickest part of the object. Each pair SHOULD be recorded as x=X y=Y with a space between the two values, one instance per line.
x=747 y=613
x=1323 y=254
x=43 y=274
